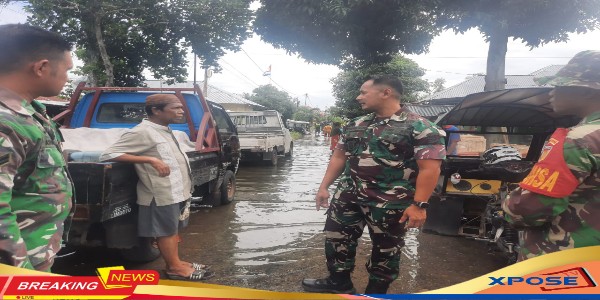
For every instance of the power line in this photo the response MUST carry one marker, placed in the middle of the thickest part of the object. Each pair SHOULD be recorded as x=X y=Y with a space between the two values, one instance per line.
x=243 y=79
x=259 y=68
x=235 y=69
x=251 y=59
x=290 y=93
x=307 y=98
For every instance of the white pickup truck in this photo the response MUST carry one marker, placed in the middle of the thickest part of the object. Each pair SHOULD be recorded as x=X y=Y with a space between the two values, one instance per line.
x=262 y=135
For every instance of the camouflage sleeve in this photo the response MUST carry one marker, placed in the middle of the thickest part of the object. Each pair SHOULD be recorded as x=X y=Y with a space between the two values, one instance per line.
x=131 y=142
x=525 y=208
x=429 y=140
x=12 y=247
x=579 y=157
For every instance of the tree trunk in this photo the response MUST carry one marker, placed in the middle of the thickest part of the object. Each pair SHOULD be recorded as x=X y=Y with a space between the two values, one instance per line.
x=495 y=78
x=108 y=66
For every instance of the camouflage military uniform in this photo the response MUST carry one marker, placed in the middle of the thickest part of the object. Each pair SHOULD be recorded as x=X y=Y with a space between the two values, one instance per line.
x=571 y=219
x=378 y=183
x=35 y=191
x=554 y=224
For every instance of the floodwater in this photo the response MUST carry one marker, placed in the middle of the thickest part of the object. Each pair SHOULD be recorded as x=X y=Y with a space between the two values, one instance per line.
x=271 y=237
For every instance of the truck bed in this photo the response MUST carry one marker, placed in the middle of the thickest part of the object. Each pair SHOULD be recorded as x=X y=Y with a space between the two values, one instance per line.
x=112 y=185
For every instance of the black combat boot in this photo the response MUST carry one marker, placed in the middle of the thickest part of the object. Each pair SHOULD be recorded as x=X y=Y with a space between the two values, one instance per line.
x=377 y=287
x=336 y=283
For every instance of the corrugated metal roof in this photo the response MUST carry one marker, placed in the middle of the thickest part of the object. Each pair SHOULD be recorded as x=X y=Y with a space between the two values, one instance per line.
x=428 y=110
x=214 y=94
x=476 y=83
x=547 y=71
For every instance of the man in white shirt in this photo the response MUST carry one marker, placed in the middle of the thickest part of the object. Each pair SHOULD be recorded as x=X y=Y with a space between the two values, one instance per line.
x=165 y=188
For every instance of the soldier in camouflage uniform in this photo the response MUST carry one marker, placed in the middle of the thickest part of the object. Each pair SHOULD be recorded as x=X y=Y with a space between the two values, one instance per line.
x=389 y=163
x=35 y=191
x=558 y=204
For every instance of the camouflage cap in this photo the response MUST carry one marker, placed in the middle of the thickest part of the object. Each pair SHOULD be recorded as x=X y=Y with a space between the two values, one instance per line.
x=582 y=70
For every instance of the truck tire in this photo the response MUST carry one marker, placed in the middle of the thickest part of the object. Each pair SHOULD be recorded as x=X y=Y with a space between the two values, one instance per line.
x=291 y=152
x=274 y=158
x=145 y=251
x=227 y=188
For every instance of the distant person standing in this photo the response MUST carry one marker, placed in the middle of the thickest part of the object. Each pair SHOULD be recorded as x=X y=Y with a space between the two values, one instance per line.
x=317 y=129
x=336 y=131
x=558 y=204
x=35 y=189
x=327 y=130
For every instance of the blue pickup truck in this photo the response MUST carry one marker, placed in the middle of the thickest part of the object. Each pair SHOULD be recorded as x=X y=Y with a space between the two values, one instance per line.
x=105 y=210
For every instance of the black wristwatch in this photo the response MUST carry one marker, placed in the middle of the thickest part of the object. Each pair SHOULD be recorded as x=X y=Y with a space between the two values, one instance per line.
x=423 y=205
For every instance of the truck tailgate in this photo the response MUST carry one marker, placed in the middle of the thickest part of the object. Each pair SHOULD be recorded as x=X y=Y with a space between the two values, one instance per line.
x=260 y=140
x=106 y=190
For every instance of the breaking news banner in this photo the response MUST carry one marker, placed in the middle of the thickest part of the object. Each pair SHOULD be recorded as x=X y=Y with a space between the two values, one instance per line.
x=567 y=274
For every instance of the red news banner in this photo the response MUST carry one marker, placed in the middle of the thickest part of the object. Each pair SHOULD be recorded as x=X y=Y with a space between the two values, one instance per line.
x=574 y=271
x=111 y=281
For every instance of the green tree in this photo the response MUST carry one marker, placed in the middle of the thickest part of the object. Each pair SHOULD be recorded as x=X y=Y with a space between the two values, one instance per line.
x=272 y=98
x=304 y=113
x=536 y=22
x=437 y=86
x=351 y=33
x=346 y=85
x=119 y=39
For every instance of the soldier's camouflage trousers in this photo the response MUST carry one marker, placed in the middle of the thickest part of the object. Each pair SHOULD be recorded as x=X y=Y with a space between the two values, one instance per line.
x=344 y=226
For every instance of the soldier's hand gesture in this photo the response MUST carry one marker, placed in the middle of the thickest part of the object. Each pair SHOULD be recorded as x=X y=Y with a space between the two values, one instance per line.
x=322 y=199
x=416 y=217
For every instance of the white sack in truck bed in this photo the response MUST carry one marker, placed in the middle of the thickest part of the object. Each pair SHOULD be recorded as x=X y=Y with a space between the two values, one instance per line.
x=97 y=140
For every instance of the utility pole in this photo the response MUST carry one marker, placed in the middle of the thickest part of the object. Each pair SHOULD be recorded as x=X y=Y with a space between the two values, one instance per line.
x=305 y=98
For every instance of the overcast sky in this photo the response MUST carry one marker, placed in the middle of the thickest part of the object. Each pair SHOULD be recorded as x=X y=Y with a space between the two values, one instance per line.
x=450 y=56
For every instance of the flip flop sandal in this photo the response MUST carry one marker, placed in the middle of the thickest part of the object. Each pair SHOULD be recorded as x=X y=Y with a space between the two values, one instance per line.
x=197 y=275
x=199 y=267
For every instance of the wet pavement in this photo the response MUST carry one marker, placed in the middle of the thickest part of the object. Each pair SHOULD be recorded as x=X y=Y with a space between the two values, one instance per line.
x=271 y=237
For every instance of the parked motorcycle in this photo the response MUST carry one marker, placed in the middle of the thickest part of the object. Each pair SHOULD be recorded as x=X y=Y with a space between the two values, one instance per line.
x=501 y=137
x=499 y=235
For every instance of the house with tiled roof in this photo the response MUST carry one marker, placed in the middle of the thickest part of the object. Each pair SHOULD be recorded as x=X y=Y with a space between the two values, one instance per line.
x=230 y=101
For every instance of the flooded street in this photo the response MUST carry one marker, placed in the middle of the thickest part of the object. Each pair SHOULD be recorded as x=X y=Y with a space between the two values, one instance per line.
x=271 y=237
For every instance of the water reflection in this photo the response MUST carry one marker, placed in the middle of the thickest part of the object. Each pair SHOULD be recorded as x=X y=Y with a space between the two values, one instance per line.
x=410 y=256
x=275 y=208
x=275 y=205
